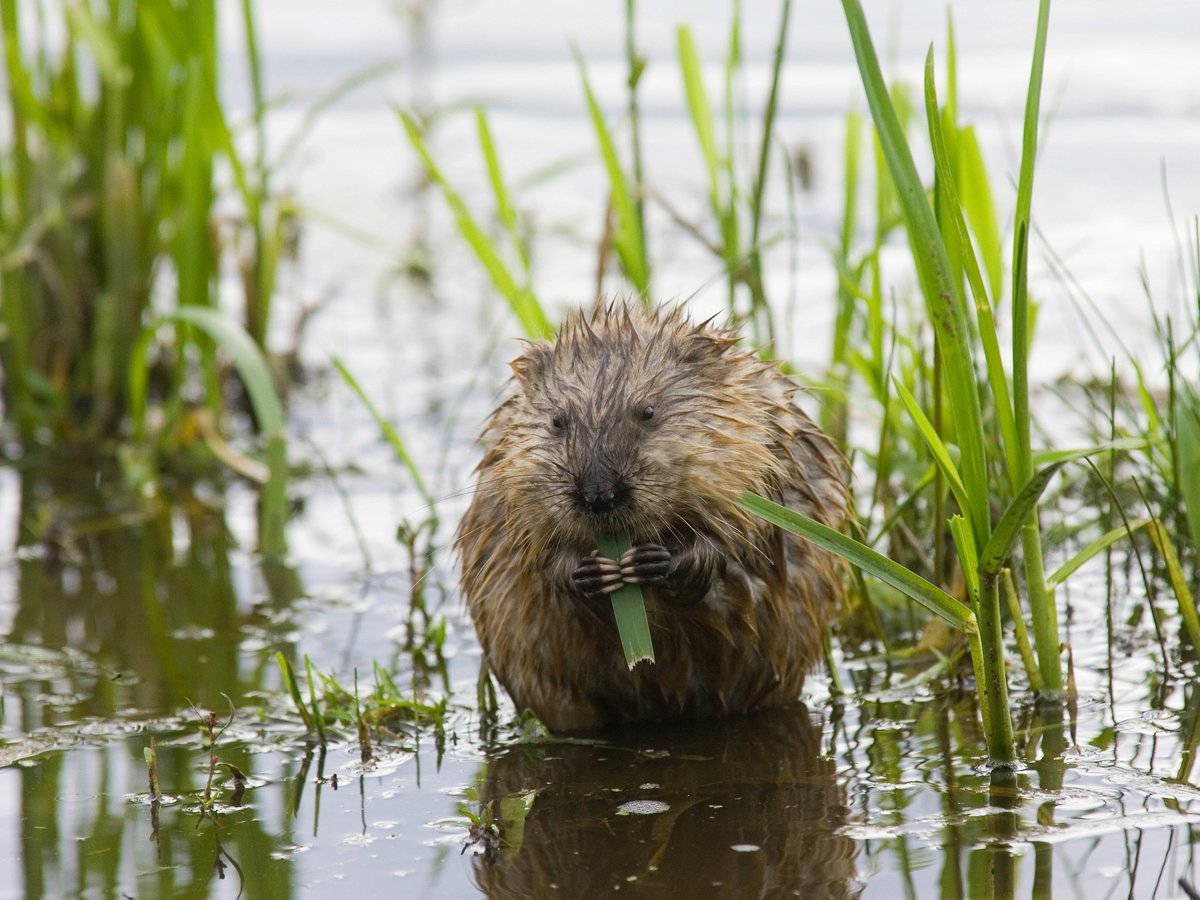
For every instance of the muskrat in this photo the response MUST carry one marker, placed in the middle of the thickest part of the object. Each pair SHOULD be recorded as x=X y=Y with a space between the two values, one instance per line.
x=641 y=421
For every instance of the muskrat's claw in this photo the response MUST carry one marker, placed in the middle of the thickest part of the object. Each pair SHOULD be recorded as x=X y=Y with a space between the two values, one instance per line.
x=596 y=577
x=646 y=564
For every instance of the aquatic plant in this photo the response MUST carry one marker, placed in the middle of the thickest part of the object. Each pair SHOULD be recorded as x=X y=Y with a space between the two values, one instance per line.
x=980 y=462
x=957 y=480
x=109 y=228
x=387 y=712
x=738 y=209
x=730 y=202
x=518 y=292
x=1169 y=421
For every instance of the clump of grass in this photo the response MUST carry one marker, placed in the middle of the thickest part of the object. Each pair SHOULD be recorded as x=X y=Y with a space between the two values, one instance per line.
x=311 y=712
x=1169 y=420
x=944 y=258
x=108 y=192
x=386 y=713
x=1160 y=409
x=982 y=451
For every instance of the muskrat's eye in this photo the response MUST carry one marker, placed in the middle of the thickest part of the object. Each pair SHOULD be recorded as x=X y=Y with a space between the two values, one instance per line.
x=558 y=422
x=647 y=413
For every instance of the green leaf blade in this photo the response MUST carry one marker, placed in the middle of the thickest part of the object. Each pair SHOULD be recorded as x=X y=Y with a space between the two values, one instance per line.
x=629 y=606
x=520 y=297
x=628 y=239
x=869 y=560
x=944 y=303
x=1187 y=418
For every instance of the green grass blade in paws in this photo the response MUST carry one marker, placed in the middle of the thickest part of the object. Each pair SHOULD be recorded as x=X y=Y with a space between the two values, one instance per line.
x=628 y=606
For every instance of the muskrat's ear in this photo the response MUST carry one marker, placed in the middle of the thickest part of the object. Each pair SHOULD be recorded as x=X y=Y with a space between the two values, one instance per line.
x=705 y=347
x=531 y=366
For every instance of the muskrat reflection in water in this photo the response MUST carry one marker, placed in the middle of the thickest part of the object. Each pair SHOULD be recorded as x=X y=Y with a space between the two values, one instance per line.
x=748 y=808
x=643 y=422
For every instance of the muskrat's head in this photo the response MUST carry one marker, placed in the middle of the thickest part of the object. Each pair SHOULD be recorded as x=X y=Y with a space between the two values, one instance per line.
x=636 y=420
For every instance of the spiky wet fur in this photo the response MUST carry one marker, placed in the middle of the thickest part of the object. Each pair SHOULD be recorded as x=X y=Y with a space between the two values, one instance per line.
x=723 y=422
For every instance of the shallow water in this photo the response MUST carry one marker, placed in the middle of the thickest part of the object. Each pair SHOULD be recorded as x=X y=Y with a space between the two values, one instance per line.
x=124 y=622
x=885 y=794
x=125 y=629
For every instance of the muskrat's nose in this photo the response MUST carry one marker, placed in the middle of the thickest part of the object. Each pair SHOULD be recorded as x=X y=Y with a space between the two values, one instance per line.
x=600 y=493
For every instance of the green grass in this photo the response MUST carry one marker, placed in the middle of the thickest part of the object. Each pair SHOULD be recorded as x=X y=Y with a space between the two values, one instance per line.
x=628 y=605
x=333 y=711
x=109 y=231
x=736 y=204
x=517 y=290
x=255 y=374
x=737 y=236
x=108 y=191
x=993 y=462
x=628 y=233
x=953 y=483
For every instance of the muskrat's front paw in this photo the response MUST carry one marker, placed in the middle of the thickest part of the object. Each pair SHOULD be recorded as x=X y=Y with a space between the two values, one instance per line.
x=646 y=564
x=596 y=577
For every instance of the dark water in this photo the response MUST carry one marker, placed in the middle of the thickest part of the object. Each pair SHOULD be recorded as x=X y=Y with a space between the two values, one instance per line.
x=127 y=621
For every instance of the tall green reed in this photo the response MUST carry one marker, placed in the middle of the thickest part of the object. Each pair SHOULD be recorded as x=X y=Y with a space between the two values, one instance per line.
x=736 y=207
x=108 y=195
x=983 y=461
x=107 y=205
x=737 y=204
x=1020 y=458
x=944 y=257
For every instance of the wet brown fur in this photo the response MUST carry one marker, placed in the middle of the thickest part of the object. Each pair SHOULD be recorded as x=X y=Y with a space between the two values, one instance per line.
x=724 y=422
